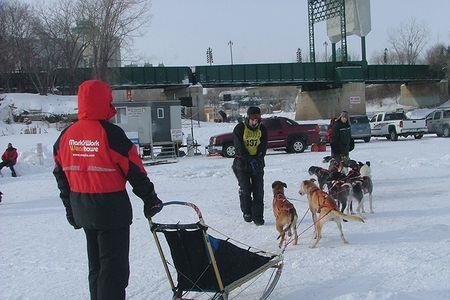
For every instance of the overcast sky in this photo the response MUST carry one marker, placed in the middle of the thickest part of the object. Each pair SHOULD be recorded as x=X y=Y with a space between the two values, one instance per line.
x=265 y=30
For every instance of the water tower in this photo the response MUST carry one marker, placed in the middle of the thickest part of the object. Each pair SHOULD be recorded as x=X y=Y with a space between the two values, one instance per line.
x=344 y=17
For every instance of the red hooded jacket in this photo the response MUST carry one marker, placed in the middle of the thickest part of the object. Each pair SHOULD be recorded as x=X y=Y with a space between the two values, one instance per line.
x=10 y=155
x=93 y=161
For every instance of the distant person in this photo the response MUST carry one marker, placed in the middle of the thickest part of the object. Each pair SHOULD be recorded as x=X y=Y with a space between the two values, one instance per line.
x=341 y=138
x=250 y=142
x=9 y=159
x=329 y=129
x=93 y=161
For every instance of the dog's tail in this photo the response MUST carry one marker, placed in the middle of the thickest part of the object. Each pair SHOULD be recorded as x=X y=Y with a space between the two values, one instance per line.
x=365 y=170
x=292 y=225
x=294 y=220
x=346 y=217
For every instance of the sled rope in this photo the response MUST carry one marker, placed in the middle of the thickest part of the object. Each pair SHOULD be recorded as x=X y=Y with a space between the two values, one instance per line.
x=294 y=199
x=307 y=228
x=249 y=247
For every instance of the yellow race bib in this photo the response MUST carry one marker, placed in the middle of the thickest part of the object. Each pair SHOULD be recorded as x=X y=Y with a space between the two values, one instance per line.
x=252 y=139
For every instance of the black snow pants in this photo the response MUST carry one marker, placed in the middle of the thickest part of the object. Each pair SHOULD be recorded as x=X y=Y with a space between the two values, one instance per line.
x=109 y=268
x=249 y=184
x=9 y=165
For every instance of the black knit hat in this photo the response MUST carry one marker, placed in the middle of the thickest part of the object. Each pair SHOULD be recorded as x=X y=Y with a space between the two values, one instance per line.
x=253 y=110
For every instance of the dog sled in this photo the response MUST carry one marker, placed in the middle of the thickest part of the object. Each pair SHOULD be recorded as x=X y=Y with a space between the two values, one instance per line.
x=206 y=267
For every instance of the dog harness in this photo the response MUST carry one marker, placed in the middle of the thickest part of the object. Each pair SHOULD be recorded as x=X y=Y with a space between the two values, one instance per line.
x=323 y=201
x=282 y=203
x=338 y=188
x=323 y=171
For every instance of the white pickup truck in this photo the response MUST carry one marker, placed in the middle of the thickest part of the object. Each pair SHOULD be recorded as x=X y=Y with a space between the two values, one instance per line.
x=394 y=124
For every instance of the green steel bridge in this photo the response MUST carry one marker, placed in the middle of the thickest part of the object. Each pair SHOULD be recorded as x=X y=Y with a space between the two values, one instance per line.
x=308 y=75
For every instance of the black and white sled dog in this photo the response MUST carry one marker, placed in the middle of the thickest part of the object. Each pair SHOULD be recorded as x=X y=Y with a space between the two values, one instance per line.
x=360 y=186
x=325 y=177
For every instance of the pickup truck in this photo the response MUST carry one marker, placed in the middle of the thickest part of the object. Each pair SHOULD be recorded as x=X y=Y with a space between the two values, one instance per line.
x=439 y=122
x=283 y=133
x=394 y=124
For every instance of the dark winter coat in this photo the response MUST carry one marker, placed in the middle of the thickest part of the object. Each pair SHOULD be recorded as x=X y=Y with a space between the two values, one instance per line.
x=341 y=138
x=93 y=161
x=243 y=158
x=10 y=156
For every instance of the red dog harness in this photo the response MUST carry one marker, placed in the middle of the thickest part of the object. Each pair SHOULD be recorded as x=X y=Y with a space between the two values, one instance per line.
x=338 y=188
x=282 y=203
x=322 y=200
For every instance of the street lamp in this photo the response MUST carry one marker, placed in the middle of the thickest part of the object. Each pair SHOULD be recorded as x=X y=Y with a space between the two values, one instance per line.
x=230 y=43
x=410 y=53
x=385 y=56
x=325 y=44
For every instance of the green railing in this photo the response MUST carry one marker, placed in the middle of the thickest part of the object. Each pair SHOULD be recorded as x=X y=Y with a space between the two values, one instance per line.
x=248 y=74
x=401 y=73
x=132 y=76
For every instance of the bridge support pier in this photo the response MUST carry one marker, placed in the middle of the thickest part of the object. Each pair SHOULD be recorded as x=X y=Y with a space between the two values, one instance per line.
x=424 y=94
x=326 y=104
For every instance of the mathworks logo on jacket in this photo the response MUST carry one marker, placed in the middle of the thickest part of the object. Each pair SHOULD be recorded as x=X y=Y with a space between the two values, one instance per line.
x=84 y=147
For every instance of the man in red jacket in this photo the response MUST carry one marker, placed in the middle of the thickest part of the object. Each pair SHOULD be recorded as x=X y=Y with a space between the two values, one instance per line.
x=9 y=159
x=93 y=161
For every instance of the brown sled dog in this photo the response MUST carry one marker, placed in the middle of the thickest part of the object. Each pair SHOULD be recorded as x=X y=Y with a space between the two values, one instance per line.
x=285 y=213
x=321 y=203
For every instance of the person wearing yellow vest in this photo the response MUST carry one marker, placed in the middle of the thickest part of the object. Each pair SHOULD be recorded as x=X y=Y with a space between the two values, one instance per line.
x=250 y=141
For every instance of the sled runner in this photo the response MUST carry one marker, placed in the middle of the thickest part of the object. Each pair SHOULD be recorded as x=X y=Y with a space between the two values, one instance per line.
x=210 y=268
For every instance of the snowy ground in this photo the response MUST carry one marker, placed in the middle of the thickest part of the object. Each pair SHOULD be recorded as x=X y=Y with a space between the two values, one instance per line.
x=401 y=252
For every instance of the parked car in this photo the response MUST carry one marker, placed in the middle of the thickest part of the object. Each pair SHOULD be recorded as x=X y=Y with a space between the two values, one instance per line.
x=283 y=133
x=359 y=125
x=439 y=122
x=360 y=128
x=324 y=132
x=394 y=124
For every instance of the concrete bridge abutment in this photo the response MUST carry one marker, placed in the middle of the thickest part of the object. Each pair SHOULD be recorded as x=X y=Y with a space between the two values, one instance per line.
x=424 y=94
x=326 y=104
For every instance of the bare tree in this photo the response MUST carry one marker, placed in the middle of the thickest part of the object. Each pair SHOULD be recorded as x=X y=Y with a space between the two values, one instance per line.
x=19 y=22
x=111 y=24
x=384 y=57
x=437 y=57
x=408 y=41
x=62 y=26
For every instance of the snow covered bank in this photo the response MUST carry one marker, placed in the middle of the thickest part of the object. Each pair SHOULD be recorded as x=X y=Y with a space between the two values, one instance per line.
x=402 y=252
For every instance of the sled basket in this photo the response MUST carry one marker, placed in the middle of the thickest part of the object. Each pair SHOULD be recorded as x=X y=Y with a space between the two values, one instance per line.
x=210 y=265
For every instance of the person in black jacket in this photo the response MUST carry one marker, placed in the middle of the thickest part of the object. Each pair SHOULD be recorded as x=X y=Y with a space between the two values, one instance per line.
x=341 y=138
x=250 y=141
x=93 y=161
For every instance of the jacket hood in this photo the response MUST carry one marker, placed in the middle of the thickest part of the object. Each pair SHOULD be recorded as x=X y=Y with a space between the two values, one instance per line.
x=95 y=101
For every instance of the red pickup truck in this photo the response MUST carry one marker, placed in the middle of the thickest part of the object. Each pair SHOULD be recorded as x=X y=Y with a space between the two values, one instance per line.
x=282 y=133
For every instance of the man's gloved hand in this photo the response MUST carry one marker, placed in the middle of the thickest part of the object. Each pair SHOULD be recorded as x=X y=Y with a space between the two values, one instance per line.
x=71 y=220
x=153 y=207
x=254 y=166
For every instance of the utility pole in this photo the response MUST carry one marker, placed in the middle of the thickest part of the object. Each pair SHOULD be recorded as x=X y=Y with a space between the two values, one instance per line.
x=385 y=56
x=299 y=55
x=230 y=43
x=325 y=44
x=209 y=56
